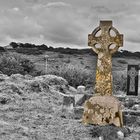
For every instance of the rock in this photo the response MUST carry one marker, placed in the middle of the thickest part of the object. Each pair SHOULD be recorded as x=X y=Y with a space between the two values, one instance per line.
x=101 y=138
x=79 y=100
x=68 y=101
x=120 y=135
x=78 y=112
x=136 y=107
x=81 y=89
x=102 y=104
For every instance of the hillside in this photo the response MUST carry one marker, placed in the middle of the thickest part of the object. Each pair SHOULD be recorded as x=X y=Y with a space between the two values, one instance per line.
x=31 y=109
x=28 y=48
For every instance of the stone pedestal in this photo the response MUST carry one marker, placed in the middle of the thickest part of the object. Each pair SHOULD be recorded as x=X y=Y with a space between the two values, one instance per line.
x=102 y=110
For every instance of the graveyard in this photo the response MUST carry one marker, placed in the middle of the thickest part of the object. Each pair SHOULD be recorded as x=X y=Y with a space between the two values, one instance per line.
x=42 y=107
x=51 y=105
x=69 y=69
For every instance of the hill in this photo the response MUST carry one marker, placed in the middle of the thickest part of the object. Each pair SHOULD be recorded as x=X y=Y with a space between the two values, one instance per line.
x=28 y=48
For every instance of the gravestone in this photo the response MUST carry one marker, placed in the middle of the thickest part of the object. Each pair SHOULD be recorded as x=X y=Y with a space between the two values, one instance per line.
x=103 y=108
x=132 y=80
x=68 y=102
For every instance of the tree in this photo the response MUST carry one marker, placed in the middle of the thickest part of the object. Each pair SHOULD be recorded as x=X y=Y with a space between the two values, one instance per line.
x=14 y=45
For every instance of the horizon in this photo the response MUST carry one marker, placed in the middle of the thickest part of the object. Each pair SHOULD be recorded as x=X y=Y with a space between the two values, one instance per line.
x=54 y=47
x=67 y=23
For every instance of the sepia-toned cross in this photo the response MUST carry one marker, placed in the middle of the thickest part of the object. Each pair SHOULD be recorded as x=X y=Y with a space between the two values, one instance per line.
x=103 y=108
x=103 y=84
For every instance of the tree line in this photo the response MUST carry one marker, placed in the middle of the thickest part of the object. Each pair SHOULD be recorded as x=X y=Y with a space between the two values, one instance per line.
x=122 y=53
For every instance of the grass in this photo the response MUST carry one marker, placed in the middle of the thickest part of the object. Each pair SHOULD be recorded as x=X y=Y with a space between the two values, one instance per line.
x=75 y=75
x=15 y=63
x=80 y=69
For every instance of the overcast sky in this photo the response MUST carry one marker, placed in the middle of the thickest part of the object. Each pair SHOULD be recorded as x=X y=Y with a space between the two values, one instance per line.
x=67 y=23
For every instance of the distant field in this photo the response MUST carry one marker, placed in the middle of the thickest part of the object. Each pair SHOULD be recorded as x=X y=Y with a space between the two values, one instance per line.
x=86 y=62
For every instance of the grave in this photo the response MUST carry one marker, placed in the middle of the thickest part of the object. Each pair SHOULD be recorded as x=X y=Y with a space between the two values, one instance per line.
x=132 y=80
x=131 y=102
x=103 y=108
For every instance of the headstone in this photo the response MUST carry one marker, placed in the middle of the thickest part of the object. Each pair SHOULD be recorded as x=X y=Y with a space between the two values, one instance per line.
x=132 y=80
x=81 y=89
x=120 y=135
x=68 y=102
x=103 y=108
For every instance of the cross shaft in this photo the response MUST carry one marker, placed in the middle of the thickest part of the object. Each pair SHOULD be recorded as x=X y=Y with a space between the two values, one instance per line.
x=103 y=84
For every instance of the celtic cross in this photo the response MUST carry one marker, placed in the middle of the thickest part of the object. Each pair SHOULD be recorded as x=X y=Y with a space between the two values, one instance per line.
x=103 y=108
x=132 y=73
x=103 y=84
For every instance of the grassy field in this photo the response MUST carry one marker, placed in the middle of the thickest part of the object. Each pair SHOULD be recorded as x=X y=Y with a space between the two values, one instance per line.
x=31 y=106
x=77 y=68
x=83 y=61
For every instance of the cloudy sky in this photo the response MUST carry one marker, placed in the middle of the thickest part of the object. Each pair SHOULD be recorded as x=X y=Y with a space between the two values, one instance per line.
x=66 y=23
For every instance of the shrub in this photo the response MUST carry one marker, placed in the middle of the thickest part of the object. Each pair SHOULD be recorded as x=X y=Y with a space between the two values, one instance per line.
x=75 y=75
x=60 y=56
x=119 y=81
x=29 y=51
x=14 y=63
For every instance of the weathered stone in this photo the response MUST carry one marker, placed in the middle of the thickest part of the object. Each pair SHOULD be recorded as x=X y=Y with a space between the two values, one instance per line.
x=78 y=111
x=68 y=102
x=103 y=108
x=136 y=107
x=101 y=138
x=81 y=89
x=120 y=135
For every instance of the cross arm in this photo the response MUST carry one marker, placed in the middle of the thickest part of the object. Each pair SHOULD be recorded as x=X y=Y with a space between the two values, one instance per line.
x=92 y=41
x=114 y=49
x=118 y=41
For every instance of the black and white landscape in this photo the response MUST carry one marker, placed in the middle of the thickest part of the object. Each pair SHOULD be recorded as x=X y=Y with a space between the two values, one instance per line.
x=46 y=64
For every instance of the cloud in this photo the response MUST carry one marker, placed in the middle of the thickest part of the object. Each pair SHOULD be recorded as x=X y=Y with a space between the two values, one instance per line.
x=54 y=4
x=16 y=9
x=67 y=22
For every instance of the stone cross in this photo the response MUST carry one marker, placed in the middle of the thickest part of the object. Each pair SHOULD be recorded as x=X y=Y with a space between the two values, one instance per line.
x=103 y=108
x=132 y=80
x=104 y=63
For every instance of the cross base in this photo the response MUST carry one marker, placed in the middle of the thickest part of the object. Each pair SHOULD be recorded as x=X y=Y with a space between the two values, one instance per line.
x=103 y=110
